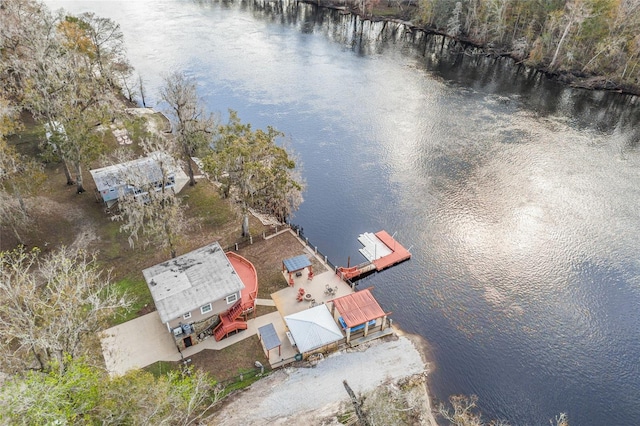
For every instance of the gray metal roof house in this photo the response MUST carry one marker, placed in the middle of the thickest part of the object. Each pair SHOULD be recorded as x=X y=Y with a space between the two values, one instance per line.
x=194 y=286
x=118 y=179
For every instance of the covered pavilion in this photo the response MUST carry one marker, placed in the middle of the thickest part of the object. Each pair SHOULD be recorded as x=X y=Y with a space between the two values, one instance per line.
x=359 y=309
x=296 y=265
x=313 y=329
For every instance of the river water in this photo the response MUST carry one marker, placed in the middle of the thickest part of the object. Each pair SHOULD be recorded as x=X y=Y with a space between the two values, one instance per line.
x=518 y=197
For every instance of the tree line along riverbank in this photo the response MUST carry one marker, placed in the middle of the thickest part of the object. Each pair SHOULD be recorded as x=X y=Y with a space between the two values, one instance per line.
x=591 y=44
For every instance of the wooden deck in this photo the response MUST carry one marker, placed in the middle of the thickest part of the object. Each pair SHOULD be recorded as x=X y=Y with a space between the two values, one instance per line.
x=398 y=252
x=374 y=245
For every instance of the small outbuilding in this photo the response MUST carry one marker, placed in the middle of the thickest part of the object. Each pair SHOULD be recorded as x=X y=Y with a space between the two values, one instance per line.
x=359 y=311
x=269 y=338
x=314 y=330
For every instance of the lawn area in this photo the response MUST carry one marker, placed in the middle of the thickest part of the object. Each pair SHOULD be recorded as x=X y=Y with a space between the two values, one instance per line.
x=223 y=365
x=142 y=302
x=267 y=257
x=231 y=361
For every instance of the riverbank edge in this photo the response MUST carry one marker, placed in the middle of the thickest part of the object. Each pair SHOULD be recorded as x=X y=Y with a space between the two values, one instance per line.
x=572 y=79
x=424 y=349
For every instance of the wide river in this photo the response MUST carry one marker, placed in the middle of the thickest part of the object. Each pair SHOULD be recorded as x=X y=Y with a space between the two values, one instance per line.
x=519 y=197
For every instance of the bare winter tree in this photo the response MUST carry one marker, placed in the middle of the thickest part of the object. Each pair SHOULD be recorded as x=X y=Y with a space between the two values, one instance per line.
x=19 y=176
x=577 y=12
x=152 y=209
x=193 y=127
x=141 y=87
x=51 y=307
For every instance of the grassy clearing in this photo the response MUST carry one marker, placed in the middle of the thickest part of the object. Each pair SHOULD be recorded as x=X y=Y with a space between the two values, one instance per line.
x=231 y=361
x=263 y=310
x=161 y=368
x=205 y=204
x=136 y=289
x=251 y=377
x=272 y=282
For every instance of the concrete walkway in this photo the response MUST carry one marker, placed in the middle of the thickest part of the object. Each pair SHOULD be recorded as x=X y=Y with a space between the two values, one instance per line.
x=252 y=329
x=136 y=344
x=145 y=340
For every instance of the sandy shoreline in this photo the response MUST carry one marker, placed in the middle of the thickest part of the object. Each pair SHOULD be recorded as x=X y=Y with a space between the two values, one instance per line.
x=316 y=395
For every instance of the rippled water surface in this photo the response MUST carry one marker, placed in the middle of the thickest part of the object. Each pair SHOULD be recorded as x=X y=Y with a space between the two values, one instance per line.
x=518 y=197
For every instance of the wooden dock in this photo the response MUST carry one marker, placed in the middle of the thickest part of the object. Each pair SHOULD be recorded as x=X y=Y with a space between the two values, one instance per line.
x=381 y=250
x=398 y=252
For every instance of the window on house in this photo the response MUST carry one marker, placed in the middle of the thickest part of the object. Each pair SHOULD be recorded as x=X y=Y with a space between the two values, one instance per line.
x=187 y=315
x=206 y=308
x=232 y=298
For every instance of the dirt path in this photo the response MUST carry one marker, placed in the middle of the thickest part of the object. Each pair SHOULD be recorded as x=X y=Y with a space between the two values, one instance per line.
x=84 y=228
x=314 y=396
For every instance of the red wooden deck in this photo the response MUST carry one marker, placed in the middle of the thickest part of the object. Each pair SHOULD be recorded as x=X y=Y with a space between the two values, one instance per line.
x=399 y=253
x=247 y=273
x=229 y=320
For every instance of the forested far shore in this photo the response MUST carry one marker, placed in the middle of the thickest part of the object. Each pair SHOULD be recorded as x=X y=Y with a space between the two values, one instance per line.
x=593 y=44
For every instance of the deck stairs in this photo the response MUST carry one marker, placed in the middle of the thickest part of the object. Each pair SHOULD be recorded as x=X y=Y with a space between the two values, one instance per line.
x=229 y=322
x=234 y=312
x=355 y=271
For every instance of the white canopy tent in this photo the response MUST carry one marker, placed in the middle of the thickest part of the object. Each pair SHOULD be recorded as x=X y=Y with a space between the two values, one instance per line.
x=313 y=328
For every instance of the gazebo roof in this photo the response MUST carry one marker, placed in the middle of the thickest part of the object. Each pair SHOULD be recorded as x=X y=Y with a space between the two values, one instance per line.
x=296 y=263
x=358 y=308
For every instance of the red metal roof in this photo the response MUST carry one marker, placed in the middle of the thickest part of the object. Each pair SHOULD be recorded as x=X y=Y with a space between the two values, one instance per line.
x=358 y=308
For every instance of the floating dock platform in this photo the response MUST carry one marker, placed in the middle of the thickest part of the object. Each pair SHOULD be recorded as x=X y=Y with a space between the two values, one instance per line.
x=381 y=250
